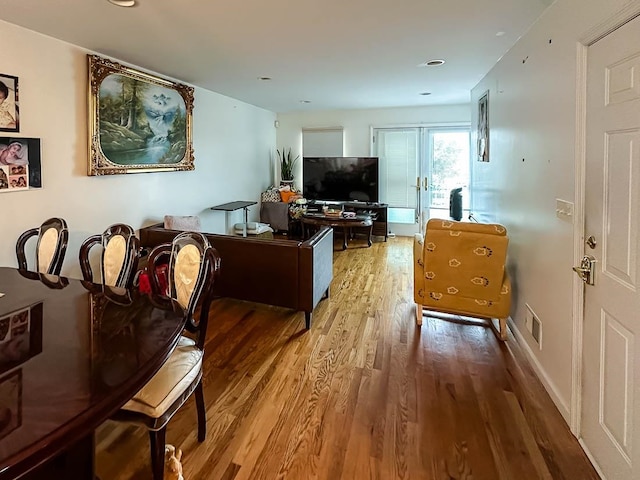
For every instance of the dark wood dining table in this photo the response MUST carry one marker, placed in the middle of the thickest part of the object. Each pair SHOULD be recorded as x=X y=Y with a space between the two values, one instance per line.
x=71 y=354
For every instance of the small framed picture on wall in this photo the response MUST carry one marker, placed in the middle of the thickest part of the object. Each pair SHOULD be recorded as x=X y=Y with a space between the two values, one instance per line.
x=483 y=128
x=9 y=112
x=20 y=164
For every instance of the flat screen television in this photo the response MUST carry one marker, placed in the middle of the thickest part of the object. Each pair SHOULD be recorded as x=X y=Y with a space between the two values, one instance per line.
x=340 y=178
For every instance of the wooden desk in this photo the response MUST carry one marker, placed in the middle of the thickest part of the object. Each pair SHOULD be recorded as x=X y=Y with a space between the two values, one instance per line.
x=346 y=223
x=71 y=354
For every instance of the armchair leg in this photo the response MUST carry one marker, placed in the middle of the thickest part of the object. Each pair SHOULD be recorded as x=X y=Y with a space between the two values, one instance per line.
x=157 y=452
x=503 y=329
x=499 y=326
x=418 y=314
x=307 y=320
x=202 y=413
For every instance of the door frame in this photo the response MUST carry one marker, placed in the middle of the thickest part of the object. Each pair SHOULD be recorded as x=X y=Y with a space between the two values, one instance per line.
x=588 y=38
x=426 y=126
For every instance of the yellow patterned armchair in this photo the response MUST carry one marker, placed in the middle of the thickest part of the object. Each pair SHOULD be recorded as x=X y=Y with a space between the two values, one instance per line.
x=459 y=268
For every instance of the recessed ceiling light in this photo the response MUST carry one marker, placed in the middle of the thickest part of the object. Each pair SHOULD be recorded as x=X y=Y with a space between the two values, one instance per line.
x=265 y=79
x=432 y=63
x=305 y=101
x=123 y=3
x=425 y=93
x=500 y=34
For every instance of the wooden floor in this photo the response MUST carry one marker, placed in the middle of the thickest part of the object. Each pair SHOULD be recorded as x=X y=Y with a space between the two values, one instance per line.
x=365 y=394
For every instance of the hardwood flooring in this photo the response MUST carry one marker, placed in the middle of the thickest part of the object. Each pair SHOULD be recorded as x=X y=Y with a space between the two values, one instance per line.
x=365 y=394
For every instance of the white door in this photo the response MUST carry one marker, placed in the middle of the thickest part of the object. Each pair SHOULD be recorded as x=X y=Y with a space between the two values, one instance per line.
x=611 y=366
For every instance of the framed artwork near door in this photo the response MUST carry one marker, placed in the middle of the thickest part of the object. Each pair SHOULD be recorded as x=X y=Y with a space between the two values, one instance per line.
x=483 y=128
x=137 y=122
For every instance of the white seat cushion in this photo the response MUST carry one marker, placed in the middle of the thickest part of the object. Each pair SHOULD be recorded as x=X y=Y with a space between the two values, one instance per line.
x=170 y=382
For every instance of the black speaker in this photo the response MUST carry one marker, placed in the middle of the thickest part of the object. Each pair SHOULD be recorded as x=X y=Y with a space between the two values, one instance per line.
x=455 y=204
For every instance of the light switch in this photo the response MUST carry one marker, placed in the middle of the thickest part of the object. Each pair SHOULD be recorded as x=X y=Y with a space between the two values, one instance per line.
x=564 y=209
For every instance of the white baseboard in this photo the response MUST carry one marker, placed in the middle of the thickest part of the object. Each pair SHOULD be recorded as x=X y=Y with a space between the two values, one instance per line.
x=549 y=386
x=591 y=459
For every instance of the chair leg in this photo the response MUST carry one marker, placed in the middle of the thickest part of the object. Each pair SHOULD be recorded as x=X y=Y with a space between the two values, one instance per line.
x=499 y=327
x=418 y=314
x=202 y=414
x=503 y=329
x=157 y=452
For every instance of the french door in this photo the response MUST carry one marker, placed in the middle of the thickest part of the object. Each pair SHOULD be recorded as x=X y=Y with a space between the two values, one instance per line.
x=419 y=166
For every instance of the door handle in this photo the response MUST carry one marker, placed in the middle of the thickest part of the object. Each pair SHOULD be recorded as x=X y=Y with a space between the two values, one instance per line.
x=417 y=183
x=587 y=269
x=426 y=184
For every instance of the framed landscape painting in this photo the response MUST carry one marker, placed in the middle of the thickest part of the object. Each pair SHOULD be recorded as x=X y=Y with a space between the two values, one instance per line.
x=137 y=122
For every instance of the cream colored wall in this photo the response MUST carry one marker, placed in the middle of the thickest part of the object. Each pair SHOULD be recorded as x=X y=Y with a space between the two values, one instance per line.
x=357 y=125
x=533 y=120
x=232 y=142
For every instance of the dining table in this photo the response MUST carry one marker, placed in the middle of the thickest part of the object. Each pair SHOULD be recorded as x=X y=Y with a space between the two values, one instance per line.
x=72 y=353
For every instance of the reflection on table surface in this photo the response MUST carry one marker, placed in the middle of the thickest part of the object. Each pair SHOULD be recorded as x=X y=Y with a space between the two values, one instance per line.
x=71 y=353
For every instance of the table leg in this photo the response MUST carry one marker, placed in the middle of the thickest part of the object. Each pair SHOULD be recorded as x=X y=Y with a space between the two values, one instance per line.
x=77 y=462
x=370 y=232
x=344 y=241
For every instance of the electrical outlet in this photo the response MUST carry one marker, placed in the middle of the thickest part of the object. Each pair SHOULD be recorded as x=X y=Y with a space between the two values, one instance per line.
x=564 y=209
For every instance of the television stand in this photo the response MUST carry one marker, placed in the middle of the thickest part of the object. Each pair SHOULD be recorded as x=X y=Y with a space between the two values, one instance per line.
x=377 y=211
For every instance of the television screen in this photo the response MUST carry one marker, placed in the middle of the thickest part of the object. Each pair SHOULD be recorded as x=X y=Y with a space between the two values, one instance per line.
x=340 y=178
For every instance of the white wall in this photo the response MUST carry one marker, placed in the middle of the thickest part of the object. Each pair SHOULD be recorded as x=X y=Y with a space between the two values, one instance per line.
x=357 y=125
x=232 y=140
x=532 y=110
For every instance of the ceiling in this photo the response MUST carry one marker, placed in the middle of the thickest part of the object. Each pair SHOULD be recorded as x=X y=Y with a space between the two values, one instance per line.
x=335 y=54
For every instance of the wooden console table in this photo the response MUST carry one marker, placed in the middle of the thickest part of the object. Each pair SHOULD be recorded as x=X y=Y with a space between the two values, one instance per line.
x=346 y=223
x=377 y=212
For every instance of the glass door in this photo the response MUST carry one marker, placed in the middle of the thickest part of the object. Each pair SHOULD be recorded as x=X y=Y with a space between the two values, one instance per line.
x=445 y=166
x=419 y=167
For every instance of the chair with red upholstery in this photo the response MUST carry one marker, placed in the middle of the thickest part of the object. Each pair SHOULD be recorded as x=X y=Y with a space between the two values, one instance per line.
x=193 y=266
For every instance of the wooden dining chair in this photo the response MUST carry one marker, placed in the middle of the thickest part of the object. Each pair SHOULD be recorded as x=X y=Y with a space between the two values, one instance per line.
x=53 y=237
x=120 y=254
x=193 y=266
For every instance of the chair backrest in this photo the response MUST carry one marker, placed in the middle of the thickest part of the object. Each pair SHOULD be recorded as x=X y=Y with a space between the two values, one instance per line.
x=53 y=237
x=193 y=266
x=120 y=254
x=466 y=259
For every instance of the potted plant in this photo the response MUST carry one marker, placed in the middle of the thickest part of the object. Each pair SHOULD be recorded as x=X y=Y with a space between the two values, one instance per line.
x=287 y=163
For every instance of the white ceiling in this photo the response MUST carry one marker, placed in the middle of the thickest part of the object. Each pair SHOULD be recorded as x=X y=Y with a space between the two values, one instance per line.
x=337 y=54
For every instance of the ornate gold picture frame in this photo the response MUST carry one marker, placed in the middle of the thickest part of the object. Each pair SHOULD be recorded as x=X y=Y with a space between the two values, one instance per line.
x=137 y=122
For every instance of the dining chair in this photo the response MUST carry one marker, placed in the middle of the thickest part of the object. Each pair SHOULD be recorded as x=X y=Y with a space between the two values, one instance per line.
x=193 y=266
x=120 y=254
x=53 y=237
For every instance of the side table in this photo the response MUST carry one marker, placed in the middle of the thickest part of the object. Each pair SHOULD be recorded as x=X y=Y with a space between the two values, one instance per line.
x=231 y=207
